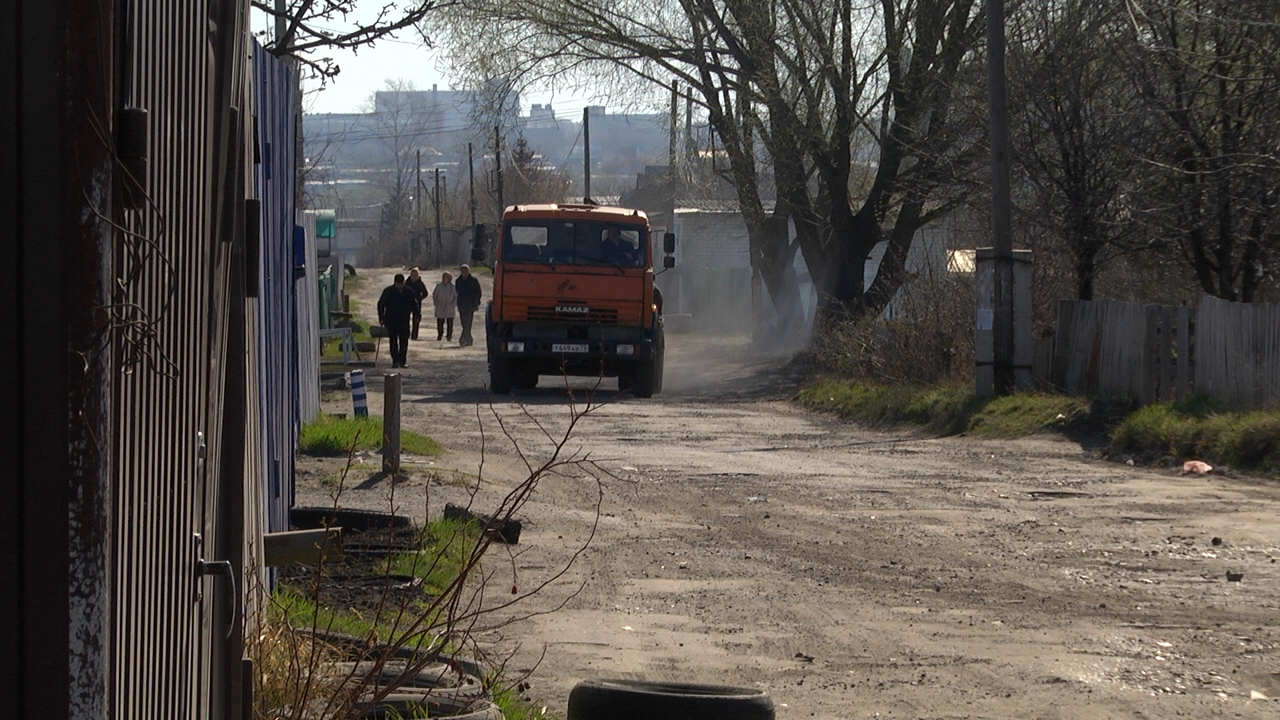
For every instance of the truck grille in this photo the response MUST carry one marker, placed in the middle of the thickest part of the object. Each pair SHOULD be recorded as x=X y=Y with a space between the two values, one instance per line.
x=607 y=316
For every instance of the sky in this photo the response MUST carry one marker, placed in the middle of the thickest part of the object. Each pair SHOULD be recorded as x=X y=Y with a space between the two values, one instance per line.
x=367 y=71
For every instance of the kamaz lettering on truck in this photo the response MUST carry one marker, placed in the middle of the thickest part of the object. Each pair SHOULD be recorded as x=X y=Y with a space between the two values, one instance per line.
x=573 y=294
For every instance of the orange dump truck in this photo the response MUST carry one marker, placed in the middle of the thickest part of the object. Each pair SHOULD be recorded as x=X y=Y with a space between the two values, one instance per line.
x=573 y=294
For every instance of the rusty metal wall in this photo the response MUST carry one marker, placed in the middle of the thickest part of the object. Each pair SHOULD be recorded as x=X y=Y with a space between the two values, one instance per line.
x=56 y=173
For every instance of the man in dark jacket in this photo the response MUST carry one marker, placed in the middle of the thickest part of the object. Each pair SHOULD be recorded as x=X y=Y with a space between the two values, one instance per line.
x=468 y=302
x=395 y=307
x=418 y=289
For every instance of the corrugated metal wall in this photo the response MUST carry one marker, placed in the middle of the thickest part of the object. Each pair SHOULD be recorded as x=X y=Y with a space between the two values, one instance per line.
x=308 y=289
x=275 y=120
x=179 y=498
x=143 y=436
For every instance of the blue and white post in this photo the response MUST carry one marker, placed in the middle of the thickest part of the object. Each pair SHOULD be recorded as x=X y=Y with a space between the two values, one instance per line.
x=358 y=397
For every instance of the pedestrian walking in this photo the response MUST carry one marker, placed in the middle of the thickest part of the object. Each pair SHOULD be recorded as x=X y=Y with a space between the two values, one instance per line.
x=419 y=289
x=468 y=287
x=395 y=308
x=445 y=297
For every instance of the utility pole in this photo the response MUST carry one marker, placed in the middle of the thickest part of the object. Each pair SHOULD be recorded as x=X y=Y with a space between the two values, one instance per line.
x=439 y=236
x=586 y=155
x=671 y=156
x=282 y=23
x=497 y=159
x=471 y=179
x=417 y=192
x=688 y=130
x=1001 y=225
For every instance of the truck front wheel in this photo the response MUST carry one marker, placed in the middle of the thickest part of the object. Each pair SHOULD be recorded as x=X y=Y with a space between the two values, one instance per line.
x=500 y=376
x=524 y=378
x=645 y=380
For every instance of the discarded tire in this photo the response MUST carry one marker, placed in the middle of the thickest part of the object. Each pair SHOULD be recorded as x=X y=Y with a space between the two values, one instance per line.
x=504 y=531
x=645 y=700
x=410 y=705
x=310 y=518
x=440 y=676
x=363 y=648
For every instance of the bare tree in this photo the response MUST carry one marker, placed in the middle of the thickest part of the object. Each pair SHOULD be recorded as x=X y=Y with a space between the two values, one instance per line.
x=854 y=106
x=1080 y=129
x=304 y=29
x=1209 y=74
x=401 y=125
x=531 y=180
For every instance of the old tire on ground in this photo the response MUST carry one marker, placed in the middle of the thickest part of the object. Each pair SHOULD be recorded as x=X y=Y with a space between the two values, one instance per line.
x=314 y=518
x=412 y=704
x=443 y=677
x=500 y=376
x=605 y=699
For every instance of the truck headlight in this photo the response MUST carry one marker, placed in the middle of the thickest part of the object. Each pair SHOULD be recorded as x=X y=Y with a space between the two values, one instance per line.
x=515 y=347
x=626 y=349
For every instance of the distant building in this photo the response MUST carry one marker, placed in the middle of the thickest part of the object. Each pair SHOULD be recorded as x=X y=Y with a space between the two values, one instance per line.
x=351 y=153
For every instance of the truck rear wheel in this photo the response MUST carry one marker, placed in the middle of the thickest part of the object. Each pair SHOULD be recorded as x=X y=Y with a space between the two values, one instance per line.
x=500 y=376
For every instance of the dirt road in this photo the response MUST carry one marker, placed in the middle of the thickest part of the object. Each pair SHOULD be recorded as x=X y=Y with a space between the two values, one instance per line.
x=850 y=573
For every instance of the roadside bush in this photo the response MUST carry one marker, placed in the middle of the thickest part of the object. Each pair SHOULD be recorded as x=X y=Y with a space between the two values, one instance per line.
x=925 y=337
x=947 y=408
x=1193 y=430
x=331 y=436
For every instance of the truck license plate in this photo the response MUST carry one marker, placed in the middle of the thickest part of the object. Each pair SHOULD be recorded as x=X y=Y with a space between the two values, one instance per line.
x=569 y=347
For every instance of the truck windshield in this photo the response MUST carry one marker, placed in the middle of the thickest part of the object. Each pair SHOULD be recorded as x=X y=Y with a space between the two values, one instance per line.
x=575 y=243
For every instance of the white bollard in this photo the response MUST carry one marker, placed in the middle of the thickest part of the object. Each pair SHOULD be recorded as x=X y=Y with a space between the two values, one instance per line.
x=358 y=397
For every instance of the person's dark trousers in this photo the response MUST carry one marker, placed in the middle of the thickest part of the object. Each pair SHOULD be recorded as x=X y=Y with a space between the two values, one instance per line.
x=399 y=335
x=466 y=316
x=441 y=331
x=417 y=318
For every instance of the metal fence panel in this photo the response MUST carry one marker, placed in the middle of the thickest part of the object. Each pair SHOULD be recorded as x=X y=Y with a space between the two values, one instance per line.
x=165 y=269
x=278 y=360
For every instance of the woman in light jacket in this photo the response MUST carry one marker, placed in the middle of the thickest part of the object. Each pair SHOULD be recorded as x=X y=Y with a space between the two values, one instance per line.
x=445 y=297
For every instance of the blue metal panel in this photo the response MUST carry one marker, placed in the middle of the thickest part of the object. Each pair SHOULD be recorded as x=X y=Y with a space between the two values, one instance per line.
x=274 y=110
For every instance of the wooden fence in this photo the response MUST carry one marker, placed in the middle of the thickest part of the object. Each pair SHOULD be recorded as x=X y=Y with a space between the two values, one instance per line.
x=1238 y=353
x=1227 y=351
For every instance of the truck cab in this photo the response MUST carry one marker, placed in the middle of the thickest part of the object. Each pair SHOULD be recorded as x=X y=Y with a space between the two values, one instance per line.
x=574 y=295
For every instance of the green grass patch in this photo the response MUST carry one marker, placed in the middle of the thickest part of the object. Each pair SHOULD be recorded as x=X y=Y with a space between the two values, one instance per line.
x=942 y=409
x=1195 y=430
x=947 y=409
x=300 y=612
x=514 y=708
x=1191 y=429
x=330 y=436
x=445 y=548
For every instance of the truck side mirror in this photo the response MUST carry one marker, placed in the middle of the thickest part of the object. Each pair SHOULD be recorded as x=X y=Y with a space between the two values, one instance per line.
x=477 y=254
x=668 y=262
x=668 y=242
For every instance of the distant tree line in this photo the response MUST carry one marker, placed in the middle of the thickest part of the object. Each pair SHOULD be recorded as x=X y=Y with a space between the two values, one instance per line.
x=1146 y=132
